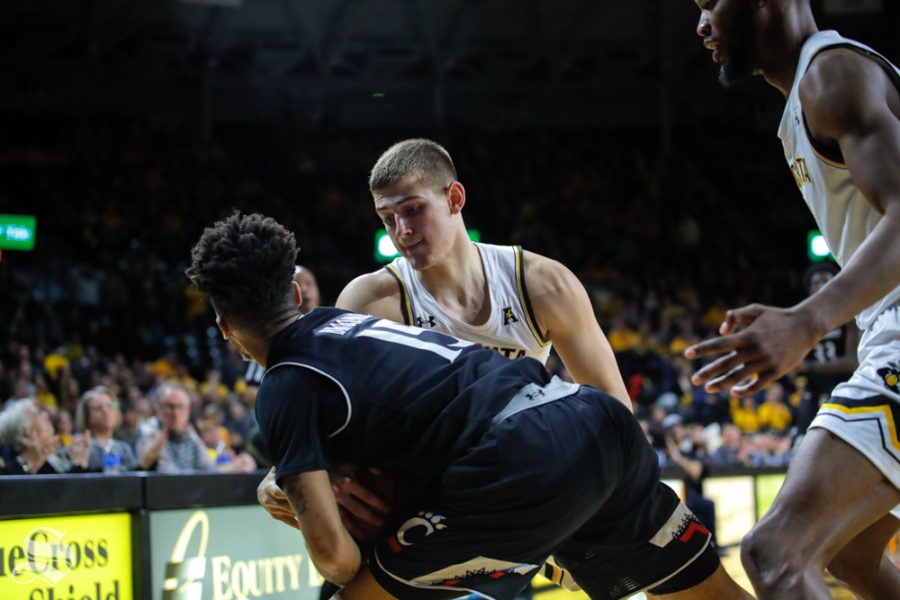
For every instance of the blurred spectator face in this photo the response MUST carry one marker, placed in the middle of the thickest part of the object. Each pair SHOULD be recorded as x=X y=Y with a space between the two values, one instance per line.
x=419 y=219
x=209 y=433
x=782 y=444
x=764 y=442
x=237 y=411
x=731 y=436
x=309 y=289
x=36 y=427
x=133 y=393
x=174 y=410
x=697 y=435
x=775 y=394
x=818 y=279
x=64 y=422
x=130 y=418
x=711 y=399
x=103 y=416
x=676 y=432
x=196 y=403
x=21 y=388
x=143 y=408
x=42 y=426
x=24 y=369
x=40 y=430
x=248 y=398
x=213 y=414
x=74 y=390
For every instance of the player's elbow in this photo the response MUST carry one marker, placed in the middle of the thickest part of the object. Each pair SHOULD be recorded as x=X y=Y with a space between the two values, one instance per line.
x=337 y=560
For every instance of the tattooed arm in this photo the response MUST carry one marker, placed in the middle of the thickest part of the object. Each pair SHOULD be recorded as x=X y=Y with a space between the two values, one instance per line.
x=331 y=548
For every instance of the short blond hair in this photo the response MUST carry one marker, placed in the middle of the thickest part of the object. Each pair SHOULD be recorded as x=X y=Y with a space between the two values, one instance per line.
x=426 y=161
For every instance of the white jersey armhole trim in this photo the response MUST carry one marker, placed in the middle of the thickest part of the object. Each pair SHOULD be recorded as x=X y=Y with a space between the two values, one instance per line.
x=524 y=300
x=332 y=378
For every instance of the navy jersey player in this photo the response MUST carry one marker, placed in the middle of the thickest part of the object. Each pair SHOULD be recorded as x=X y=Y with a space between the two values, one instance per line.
x=841 y=136
x=503 y=297
x=475 y=427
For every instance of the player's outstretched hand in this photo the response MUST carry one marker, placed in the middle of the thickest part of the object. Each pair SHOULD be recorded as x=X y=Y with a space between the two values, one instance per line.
x=274 y=501
x=758 y=345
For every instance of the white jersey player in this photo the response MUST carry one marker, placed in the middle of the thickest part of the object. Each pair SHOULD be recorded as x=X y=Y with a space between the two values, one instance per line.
x=511 y=327
x=841 y=136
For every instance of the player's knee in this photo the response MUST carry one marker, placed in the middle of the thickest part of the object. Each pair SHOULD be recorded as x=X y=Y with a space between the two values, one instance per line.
x=764 y=558
x=752 y=555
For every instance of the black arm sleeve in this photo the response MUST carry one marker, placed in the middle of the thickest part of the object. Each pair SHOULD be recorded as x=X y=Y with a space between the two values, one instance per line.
x=287 y=408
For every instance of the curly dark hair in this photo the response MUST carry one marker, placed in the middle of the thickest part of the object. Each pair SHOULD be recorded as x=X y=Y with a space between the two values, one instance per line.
x=244 y=264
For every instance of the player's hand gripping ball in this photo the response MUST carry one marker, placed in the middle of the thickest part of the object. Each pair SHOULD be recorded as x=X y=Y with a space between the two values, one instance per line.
x=369 y=499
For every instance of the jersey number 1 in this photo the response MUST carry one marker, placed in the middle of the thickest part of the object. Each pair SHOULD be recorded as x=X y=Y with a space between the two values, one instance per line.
x=395 y=333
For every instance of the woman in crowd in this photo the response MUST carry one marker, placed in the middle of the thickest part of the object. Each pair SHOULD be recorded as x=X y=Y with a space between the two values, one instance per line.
x=28 y=443
x=98 y=413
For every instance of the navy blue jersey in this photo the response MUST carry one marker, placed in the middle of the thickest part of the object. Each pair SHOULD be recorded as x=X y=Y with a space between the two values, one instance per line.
x=344 y=387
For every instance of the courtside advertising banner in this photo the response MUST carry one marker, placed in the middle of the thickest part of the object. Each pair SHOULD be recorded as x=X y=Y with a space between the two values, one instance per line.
x=66 y=558
x=233 y=553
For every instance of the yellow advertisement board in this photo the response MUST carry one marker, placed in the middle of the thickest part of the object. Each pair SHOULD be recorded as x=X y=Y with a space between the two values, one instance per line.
x=767 y=487
x=66 y=558
x=734 y=506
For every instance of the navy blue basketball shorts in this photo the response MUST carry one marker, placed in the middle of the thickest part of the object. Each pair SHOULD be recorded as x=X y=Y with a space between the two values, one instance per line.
x=563 y=471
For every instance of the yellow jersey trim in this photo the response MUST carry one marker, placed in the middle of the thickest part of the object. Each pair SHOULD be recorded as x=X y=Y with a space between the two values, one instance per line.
x=530 y=317
x=825 y=159
x=884 y=409
x=405 y=306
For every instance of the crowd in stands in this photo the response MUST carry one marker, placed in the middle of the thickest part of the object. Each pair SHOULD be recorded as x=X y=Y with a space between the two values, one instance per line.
x=71 y=411
x=102 y=337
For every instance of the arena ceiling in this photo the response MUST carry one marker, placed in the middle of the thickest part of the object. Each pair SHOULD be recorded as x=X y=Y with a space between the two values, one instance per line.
x=368 y=61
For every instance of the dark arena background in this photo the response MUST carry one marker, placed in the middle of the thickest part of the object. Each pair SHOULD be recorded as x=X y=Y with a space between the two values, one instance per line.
x=590 y=131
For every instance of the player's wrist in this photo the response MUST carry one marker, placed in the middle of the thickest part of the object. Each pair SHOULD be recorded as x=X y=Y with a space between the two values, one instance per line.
x=815 y=321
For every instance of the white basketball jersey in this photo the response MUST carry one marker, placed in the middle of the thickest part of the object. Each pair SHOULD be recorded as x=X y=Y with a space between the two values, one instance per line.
x=844 y=216
x=511 y=328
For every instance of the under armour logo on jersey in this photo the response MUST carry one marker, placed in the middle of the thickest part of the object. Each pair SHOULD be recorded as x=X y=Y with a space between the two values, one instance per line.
x=509 y=316
x=423 y=322
x=537 y=394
